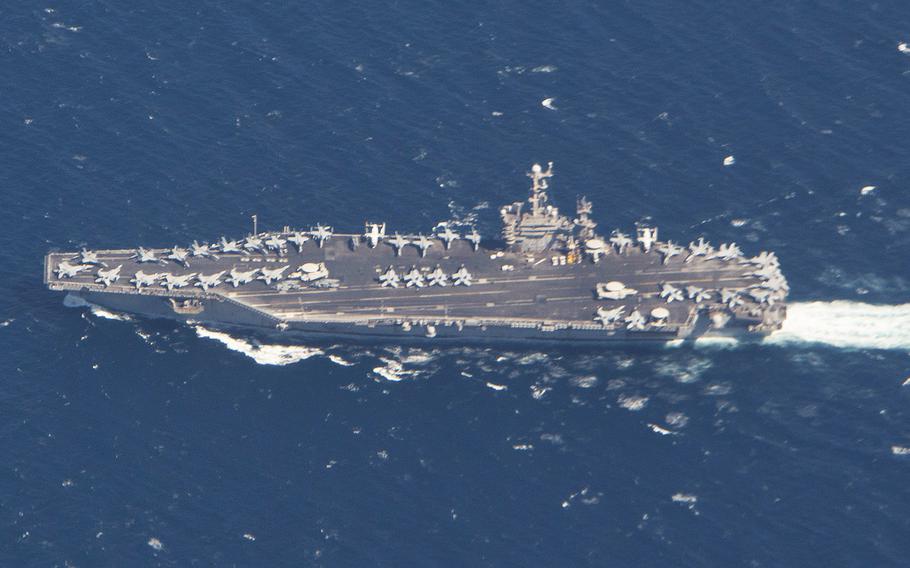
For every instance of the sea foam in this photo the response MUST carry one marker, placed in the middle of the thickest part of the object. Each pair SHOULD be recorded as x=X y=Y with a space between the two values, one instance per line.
x=845 y=324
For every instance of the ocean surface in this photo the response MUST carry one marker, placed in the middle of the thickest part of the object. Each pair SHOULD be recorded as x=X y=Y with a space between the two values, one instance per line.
x=139 y=443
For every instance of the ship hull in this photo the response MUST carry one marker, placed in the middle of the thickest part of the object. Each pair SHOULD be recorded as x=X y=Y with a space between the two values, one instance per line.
x=227 y=316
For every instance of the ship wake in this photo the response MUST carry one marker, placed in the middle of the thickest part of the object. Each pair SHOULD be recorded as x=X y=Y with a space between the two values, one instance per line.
x=264 y=354
x=845 y=324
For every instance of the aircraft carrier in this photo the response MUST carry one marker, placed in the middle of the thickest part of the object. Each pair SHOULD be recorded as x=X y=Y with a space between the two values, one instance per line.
x=549 y=278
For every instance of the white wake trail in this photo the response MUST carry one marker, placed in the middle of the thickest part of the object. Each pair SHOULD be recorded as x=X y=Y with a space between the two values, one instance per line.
x=846 y=324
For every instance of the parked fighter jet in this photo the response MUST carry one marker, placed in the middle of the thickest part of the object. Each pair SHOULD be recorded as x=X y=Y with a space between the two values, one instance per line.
x=298 y=239
x=701 y=248
x=635 y=321
x=766 y=272
x=201 y=250
x=321 y=234
x=776 y=283
x=275 y=243
x=399 y=243
x=730 y=297
x=609 y=317
x=238 y=278
x=108 y=277
x=621 y=241
x=88 y=257
x=438 y=277
x=67 y=270
x=448 y=236
x=141 y=279
x=698 y=294
x=227 y=246
x=171 y=281
x=727 y=252
x=763 y=260
x=414 y=279
x=272 y=274
x=671 y=293
x=206 y=281
x=144 y=255
x=253 y=244
x=647 y=236
x=389 y=278
x=423 y=244
x=179 y=255
x=462 y=277
x=474 y=238
x=763 y=296
x=669 y=250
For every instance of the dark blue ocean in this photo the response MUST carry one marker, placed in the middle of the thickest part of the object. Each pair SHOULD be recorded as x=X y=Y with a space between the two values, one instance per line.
x=138 y=443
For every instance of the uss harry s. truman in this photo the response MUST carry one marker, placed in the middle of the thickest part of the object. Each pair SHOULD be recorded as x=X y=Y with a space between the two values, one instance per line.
x=550 y=278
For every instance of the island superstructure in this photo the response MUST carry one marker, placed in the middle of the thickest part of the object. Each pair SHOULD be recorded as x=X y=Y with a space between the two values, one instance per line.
x=551 y=278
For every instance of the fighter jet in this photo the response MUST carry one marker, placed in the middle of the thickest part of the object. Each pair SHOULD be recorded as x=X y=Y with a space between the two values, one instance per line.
x=776 y=283
x=462 y=277
x=227 y=246
x=321 y=234
x=701 y=248
x=414 y=279
x=635 y=321
x=763 y=259
x=141 y=279
x=766 y=272
x=399 y=243
x=763 y=296
x=609 y=317
x=389 y=278
x=238 y=278
x=272 y=274
x=698 y=294
x=298 y=239
x=448 y=236
x=171 y=281
x=727 y=252
x=108 y=277
x=374 y=232
x=423 y=244
x=206 y=281
x=620 y=241
x=253 y=244
x=88 y=257
x=143 y=255
x=671 y=293
x=647 y=236
x=474 y=239
x=730 y=297
x=201 y=250
x=669 y=250
x=179 y=255
x=438 y=277
x=67 y=270
x=275 y=243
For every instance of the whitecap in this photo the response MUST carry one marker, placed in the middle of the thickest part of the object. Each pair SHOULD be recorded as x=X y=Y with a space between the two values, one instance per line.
x=900 y=451
x=263 y=354
x=548 y=103
x=662 y=431
x=338 y=360
x=496 y=387
x=545 y=69
x=632 y=403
